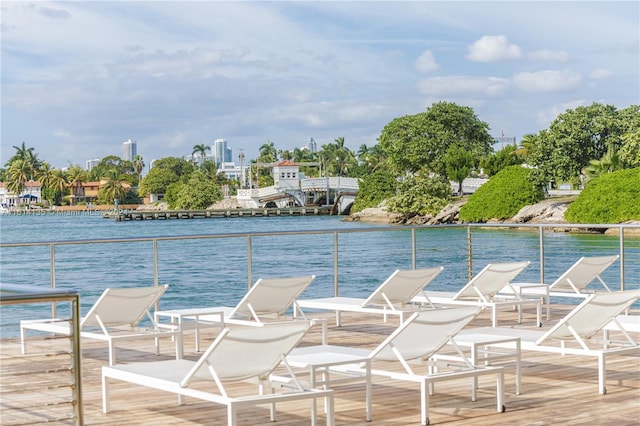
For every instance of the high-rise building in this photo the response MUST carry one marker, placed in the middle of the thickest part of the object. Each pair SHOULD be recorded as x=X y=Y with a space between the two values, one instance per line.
x=128 y=150
x=220 y=154
x=311 y=145
x=90 y=164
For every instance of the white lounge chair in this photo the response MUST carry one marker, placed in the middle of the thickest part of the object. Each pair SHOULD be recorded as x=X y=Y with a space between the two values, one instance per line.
x=266 y=299
x=114 y=317
x=412 y=345
x=578 y=332
x=483 y=290
x=572 y=283
x=392 y=297
x=240 y=353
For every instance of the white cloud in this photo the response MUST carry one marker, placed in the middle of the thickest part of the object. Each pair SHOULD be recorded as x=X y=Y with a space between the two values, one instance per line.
x=601 y=74
x=545 y=116
x=549 y=55
x=462 y=85
x=426 y=62
x=492 y=49
x=547 y=81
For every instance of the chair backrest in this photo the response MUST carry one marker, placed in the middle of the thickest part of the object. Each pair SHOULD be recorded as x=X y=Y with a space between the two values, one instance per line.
x=245 y=352
x=271 y=296
x=490 y=280
x=588 y=318
x=123 y=306
x=402 y=286
x=424 y=333
x=581 y=273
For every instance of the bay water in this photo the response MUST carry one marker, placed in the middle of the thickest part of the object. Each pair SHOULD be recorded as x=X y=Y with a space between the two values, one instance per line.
x=210 y=271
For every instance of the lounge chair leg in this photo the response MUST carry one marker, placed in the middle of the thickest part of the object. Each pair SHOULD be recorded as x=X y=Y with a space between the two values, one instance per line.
x=330 y=408
x=112 y=353
x=602 y=374
x=23 y=340
x=500 y=391
x=105 y=395
x=231 y=415
x=424 y=403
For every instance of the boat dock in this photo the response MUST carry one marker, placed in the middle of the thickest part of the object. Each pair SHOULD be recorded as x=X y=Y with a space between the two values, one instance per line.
x=555 y=389
x=126 y=215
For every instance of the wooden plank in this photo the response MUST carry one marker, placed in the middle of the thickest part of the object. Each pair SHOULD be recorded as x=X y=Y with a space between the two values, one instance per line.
x=555 y=389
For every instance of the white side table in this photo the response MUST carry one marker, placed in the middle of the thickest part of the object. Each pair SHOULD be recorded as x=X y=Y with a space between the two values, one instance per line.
x=486 y=349
x=321 y=362
x=178 y=316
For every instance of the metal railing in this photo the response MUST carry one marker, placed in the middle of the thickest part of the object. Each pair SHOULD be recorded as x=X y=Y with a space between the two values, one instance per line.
x=49 y=409
x=251 y=236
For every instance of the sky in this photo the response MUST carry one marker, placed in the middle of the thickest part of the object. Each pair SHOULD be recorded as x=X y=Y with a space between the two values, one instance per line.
x=78 y=78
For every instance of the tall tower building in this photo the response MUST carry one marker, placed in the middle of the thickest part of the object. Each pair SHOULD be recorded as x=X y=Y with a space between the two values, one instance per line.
x=311 y=145
x=220 y=151
x=128 y=150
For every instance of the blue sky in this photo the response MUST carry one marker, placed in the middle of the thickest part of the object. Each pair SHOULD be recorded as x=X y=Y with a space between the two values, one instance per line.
x=81 y=77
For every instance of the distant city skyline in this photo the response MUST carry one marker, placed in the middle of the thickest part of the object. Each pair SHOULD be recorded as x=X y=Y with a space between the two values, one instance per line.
x=78 y=75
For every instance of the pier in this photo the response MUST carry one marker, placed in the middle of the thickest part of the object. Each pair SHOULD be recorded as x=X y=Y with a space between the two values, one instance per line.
x=125 y=215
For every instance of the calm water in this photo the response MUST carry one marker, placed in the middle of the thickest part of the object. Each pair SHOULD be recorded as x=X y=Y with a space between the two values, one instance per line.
x=213 y=272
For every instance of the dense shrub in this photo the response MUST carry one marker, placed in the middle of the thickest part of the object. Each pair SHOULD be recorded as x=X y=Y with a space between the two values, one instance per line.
x=373 y=189
x=611 y=198
x=421 y=195
x=502 y=196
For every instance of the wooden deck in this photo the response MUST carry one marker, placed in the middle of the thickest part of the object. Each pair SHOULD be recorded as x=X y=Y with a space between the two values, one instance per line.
x=555 y=389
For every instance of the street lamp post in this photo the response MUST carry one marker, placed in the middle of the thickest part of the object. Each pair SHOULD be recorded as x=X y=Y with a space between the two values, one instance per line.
x=241 y=158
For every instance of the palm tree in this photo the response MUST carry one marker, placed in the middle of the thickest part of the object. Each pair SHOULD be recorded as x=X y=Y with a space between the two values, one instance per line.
x=113 y=187
x=58 y=184
x=202 y=150
x=138 y=165
x=76 y=177
x=609 y=163
x=268 y=153
x=19 y=173
x=45 y=176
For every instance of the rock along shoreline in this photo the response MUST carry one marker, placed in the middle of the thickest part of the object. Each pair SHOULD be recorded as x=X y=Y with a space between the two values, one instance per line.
x=550 y=211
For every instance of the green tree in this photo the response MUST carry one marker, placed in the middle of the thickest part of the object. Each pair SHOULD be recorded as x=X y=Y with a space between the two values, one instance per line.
x=458 y=162
x=138 y=165
x=157 y=181
x=46 y=178
x=502 y=196
x=19 y=173
x=113 y=187
x=58 y=185
x=197 y=193
x=373 y=189
x=508 y=156
x=76 y=176
x=574 y=139
x=414 y=142
x=202 y=150
x=421 y=195
x=630 y=150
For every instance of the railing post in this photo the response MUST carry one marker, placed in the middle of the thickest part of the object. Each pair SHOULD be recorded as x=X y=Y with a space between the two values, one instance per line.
x=77 y=368
x=541 y=244
x=621 y=258
x=335 y=263
x=413 y=248
x=469 y=255
x=249 y=263
x=156 y=278
x=52 y=259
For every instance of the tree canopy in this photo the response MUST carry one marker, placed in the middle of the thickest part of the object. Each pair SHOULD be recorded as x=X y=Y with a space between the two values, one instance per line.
x=421 y=141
